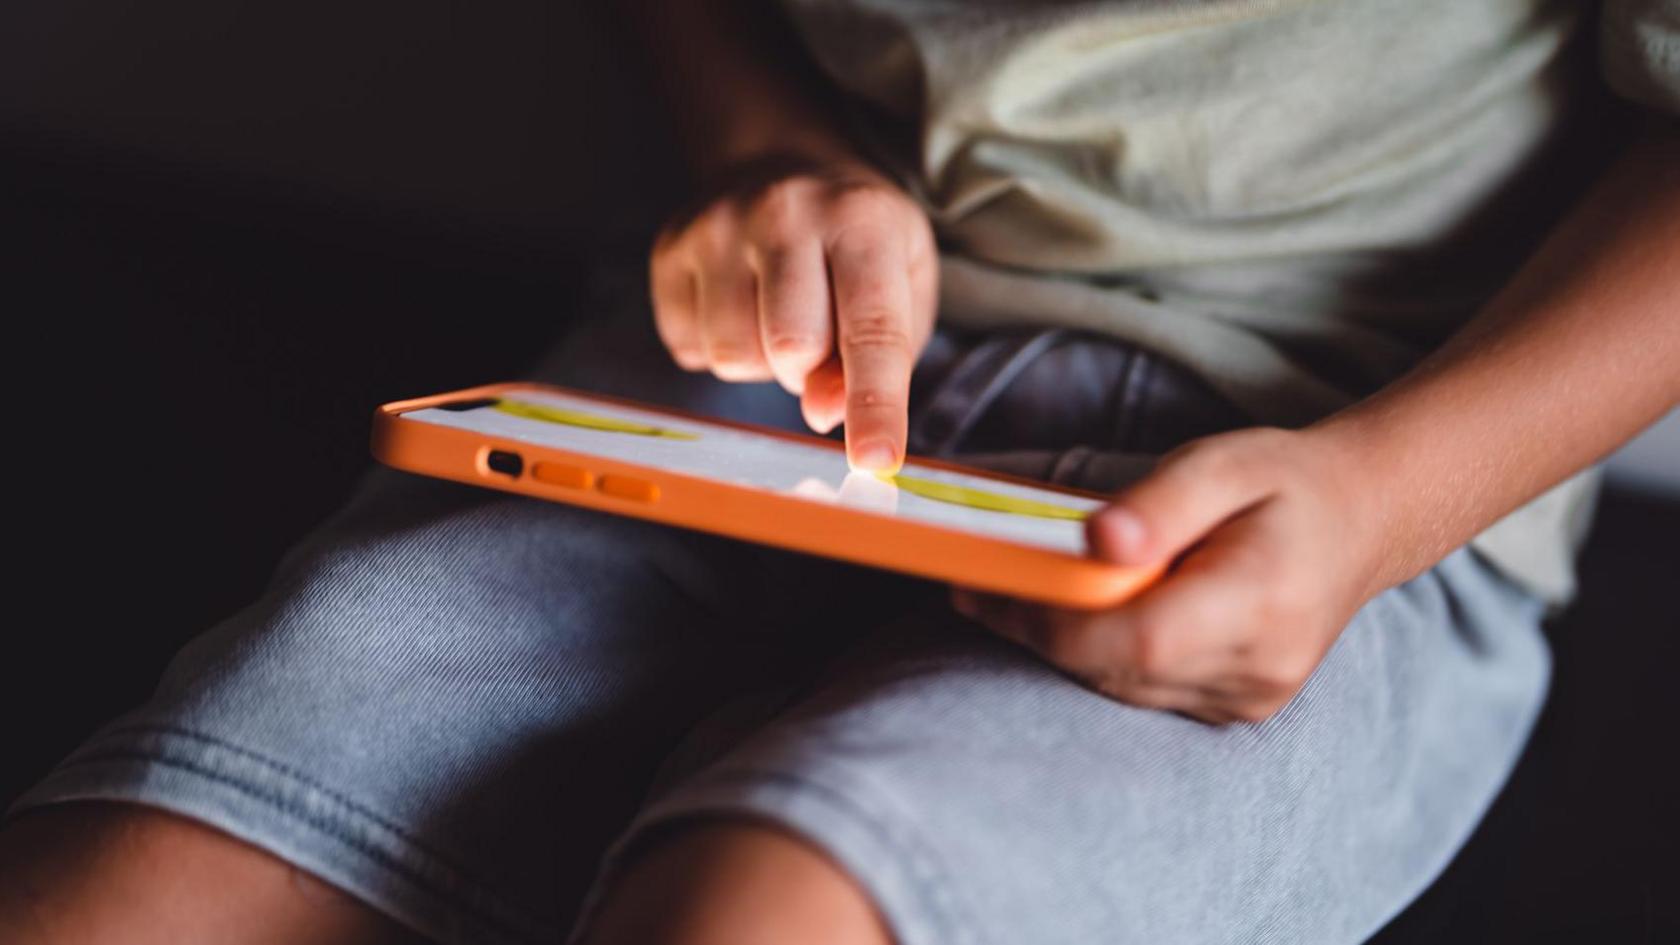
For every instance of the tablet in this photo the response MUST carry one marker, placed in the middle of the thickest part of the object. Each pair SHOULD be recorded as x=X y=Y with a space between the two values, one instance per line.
x=931 y=519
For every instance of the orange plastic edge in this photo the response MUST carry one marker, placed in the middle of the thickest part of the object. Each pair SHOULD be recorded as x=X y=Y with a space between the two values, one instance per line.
x=833 y=531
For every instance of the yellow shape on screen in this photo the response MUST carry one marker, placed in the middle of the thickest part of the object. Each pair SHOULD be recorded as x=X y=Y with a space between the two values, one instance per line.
x=589 y=421
x=981 y=499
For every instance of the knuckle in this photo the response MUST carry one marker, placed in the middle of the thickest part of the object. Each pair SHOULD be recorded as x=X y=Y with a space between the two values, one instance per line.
x=1070 y=621
x=787 y=290
x=1108 y=685
x=670 y=292
x=786 y=197
x=669 y=308
x=1255 y=710
x=862 y=204
x=775 y=264
x=1212 y=459
x=1211 y=715
x=778 y=223
x=876 y=328
x=1117 y=688
x=678 y=341
x=716 y=232
x=729 y=353
x=689 y=359
x=1069 y=650
x=1294 y=670
x=1271 y=680
x=1146 y=650
x=1267 y=440
x=1281 y=675
x=1237 y=456
x=1146 y=659
x=784 y=347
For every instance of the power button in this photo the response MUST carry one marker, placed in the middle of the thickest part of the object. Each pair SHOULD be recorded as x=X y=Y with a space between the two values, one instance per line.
x=627 y=487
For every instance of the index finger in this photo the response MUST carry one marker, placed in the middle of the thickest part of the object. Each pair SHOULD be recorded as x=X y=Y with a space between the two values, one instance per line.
x=872 y=300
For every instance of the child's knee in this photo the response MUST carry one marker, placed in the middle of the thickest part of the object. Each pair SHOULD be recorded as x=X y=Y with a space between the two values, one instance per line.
x=738 y=883
x=94 y=872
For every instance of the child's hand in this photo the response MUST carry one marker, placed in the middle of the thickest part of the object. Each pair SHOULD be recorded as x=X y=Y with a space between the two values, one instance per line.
x=1277 y=554
x=820 y=277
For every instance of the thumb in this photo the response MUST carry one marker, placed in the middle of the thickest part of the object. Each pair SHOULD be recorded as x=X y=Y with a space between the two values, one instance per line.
x=1191 y=492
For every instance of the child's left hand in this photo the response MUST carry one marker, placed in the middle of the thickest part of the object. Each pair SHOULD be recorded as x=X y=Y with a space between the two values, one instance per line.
x=1276 y=552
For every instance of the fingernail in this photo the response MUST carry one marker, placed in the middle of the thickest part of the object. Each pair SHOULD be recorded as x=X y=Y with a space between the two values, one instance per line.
x=1124 y=533
x=791 y=383
x=874 y=456
x=823 y=425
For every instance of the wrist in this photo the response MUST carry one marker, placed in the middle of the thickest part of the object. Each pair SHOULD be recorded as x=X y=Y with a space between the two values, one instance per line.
x=1363 y=483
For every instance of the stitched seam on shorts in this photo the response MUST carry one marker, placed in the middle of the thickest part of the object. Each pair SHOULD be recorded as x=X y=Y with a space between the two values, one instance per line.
x=517 y=922
x=287 y=770
x=917 y=856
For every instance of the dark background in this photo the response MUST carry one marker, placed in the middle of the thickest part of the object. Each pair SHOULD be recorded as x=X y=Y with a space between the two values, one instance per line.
x=258 y=221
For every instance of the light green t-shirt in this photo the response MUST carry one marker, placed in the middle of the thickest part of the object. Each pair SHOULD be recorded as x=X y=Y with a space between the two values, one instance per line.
x=1297 y=199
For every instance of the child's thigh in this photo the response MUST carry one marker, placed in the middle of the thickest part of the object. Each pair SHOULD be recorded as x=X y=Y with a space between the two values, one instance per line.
x=449 y=699
x=981 y=797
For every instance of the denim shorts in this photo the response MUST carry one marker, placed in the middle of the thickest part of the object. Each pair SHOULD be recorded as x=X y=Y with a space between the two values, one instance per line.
x=464 y=707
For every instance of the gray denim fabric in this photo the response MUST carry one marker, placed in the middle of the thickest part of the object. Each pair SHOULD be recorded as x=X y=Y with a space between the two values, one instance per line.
x=451 y=701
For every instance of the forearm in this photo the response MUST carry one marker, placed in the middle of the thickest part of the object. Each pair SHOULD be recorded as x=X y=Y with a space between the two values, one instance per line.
x=737 y=90
x=1579 y=353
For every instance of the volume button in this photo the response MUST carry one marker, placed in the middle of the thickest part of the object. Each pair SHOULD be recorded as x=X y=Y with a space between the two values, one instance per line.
x=627 y=487
x=563 y=474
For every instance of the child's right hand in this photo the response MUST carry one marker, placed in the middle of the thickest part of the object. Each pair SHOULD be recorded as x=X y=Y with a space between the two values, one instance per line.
x=821 y=277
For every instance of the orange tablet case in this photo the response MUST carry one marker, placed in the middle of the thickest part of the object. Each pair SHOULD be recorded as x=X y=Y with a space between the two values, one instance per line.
x=785 y=521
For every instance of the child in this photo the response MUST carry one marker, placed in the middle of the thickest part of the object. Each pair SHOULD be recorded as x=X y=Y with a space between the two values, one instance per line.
x=1298 y=238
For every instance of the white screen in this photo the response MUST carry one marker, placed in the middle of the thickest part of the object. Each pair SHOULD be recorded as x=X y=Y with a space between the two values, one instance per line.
x=970 y=503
